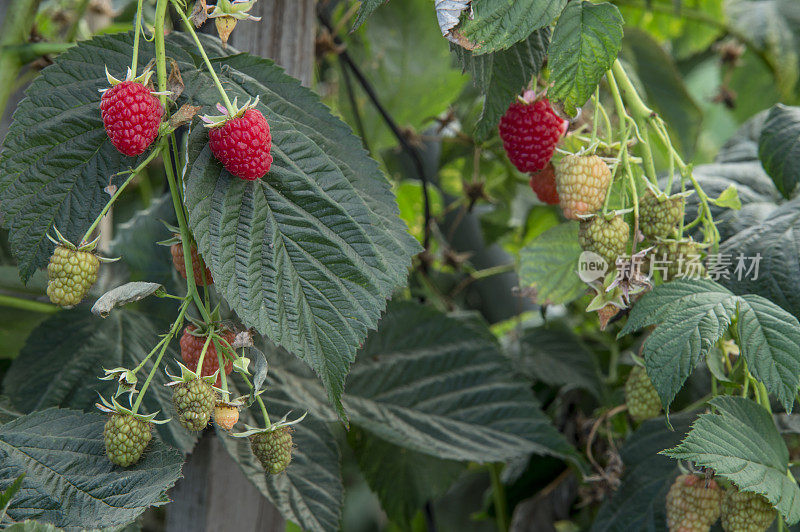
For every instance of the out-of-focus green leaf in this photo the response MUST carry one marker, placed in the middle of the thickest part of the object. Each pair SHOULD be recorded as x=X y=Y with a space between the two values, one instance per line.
x=779 y=148
x=549 y=265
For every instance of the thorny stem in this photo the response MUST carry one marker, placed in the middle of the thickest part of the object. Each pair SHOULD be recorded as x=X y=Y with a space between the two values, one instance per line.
x=190 y=29
x=164 y=344
x=120 y=189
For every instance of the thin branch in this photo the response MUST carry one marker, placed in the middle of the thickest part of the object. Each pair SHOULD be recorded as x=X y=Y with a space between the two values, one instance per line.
x=370 y=91
x=351 y=97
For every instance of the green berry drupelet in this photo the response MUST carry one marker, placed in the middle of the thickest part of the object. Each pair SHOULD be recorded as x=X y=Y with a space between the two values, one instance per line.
x=683 y=259
x=743 y=511
x=273 y=449
x=641 y=396
x=71 y=274
x=607 y=238
x=194 y=403
x=658 y=217
x=693 y=504
x=126 y=439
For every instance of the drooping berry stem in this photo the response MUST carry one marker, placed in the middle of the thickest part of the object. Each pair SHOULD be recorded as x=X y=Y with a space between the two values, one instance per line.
x=120 y=189
x=188 y=24
x=172 y=331
x=200 y=360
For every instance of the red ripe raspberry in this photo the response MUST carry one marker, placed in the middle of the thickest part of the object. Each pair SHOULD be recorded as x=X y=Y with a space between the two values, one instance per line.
x=243 y=144
x=192 y=346
x=543 y=183
x=131 y=116
x=198 y=266
x=530 y=133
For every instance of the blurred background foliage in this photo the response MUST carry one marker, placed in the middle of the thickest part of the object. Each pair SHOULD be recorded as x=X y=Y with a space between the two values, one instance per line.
x=706 y=65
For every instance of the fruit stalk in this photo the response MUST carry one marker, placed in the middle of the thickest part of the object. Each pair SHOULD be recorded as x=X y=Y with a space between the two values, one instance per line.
x=27 y=304
x=137 y=29
x=187 y=23
x=175 y=326
x=119 y=191
x=499 y=496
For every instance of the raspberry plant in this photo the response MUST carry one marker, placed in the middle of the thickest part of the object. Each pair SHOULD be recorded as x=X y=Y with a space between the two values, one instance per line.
x=401 y=284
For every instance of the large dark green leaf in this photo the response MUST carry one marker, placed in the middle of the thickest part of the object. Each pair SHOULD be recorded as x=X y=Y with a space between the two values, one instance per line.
x=741 y=443
x=502 y=75
x=779 y=147
x=57 y=158
x=499 y=24
x=308 y=254
x=692 y=315
x=776 y=241
x=310 y=492
x=441 y=386
x=638 y=504
x=63 y=357
x=549 y=265
x=585 y=44
x=68 y=479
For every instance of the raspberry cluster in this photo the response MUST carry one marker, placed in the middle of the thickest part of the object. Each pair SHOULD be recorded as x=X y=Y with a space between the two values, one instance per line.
x=641 y=396
x=607 y=238
x=530 y=133
x=194 y=402
x=131 y=116
x=199 y=267
x=243 y=145
x=693 y=504
x=582 y=182
x=273 y=449
x=192 y=347
x=126 y=438
x=70 y=275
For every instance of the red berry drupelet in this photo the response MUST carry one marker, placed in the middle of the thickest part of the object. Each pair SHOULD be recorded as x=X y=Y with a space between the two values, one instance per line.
x=243 y=145
x=192 y=346
x=530 y=133
x=131 y=116
x=543 y=184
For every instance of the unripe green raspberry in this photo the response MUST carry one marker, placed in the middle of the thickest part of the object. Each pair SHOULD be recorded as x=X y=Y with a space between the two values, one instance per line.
x=71 y=274
x=126 y=439
x=273 y=449
x=641 y=396
x=658 y=217
x=607 y=238
x=693 y=504
x=683 y=259
x=194 y=403
x=743 y=511
x=582 y=182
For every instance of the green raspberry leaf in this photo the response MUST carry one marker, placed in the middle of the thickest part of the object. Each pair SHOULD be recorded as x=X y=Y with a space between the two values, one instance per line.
x=691 y=315
x=441 y=386
x=365 y=10
x=549 y=265
x=586 y=41
x=741 y=443
x=779 y=147
x=309 y=253
x=502 y=75
x=499 y=24
x=73 y=490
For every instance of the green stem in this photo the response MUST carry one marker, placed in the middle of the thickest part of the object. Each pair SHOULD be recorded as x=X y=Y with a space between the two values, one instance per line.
x=15 y=30
x=221 y=361
x=199 y=368
x=499 y=496
x=120 y=189
x=596 y=117
x=267 y=422
x=647 y=157
x=27 y=304
x=175 y=326
x=161 y=54
x=187 y=23
x=137 y=28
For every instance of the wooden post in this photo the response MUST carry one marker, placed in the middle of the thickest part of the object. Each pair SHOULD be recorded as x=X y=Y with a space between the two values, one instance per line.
x=214 y=494
x=285 y=34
